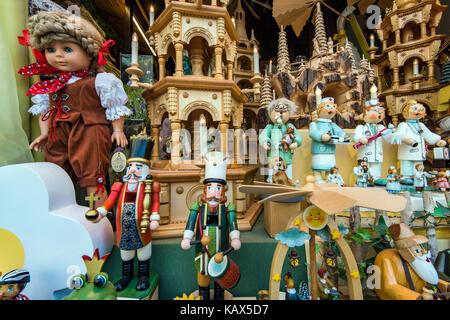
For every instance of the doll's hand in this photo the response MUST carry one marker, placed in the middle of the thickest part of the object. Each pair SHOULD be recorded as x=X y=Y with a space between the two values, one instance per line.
x=39 y=143
x=441 y=143
x=408 y=141
x=186 y=244
x=326 y=137
x=266 y=146
x=293 y=146
x=363 y=140
x=120 y=138
x=154 y=225
x=236 y=244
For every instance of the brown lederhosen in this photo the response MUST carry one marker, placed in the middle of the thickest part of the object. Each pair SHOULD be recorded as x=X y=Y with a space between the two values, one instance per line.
x=83 y=139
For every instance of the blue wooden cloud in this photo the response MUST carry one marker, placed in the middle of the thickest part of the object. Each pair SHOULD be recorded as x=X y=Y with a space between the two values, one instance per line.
x=293 y=237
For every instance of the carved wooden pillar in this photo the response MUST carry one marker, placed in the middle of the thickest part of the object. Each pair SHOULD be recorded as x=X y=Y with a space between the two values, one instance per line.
x=423 y=30
x=175 y=154
x=164 y=208
x=196 y=55
x=179 y=59
x=430 y=70
x=223 y=128
x=398 y=36
x=384 y=45
x=218 y=53
x=396 y=82
x=162 y=66
x=155 y=135
x=230 y=70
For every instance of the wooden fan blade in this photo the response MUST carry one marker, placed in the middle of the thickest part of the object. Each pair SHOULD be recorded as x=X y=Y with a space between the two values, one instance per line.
x=331 y=202
x=284 y=196
x=262 y=4
x=265 y=189
x=327 y=185
x=260 y=183
x=374 y=198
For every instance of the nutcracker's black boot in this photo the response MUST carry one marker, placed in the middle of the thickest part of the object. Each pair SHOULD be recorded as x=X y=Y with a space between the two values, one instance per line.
x=204 y=293
x=127 y=275
x=143 y=275
x=218 y=292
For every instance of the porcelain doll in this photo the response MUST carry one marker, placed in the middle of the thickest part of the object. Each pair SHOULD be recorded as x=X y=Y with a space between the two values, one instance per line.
x=393 y=181
x=271 y=138
x=13 y=283
x=367 y=136
x=213 y=220
x=325 y=135
x=363 y=173
x=442 y=181
x=415 y=137
x=335 y=177
x=135 y=219
x=77 y=108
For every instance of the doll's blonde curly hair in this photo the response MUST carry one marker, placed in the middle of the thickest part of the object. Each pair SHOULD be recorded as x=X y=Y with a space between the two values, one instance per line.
x=48 y=27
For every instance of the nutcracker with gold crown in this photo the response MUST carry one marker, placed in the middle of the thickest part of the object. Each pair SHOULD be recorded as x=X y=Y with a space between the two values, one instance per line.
x=215 y=228
x=135 y=196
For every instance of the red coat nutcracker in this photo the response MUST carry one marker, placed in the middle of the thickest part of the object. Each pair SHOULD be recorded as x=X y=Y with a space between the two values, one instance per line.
x=134 y=223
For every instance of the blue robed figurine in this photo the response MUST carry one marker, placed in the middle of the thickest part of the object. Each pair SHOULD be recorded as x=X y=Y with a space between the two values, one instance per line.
x=325 y=135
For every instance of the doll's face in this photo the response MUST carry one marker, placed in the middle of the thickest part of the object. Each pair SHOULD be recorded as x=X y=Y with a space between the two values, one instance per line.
x=416 y=112
x=67 y=56
x=328 y=111
x=374 y=115
x=276 y=114
x=9 y=291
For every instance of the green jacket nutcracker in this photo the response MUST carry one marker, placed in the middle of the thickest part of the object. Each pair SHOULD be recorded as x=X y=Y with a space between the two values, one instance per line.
x=280 y=138
x=213 y=220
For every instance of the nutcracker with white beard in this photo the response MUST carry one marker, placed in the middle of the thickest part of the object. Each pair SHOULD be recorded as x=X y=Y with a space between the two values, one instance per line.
x=134 y=223
x=213 y=221
x=407 y=272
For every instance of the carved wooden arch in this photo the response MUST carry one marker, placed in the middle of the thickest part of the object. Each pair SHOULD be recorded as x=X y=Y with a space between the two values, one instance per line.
x=159 y=113
x=166 y=41
x=412 y=55
x=199 y=32
x=199 y=104
x=411 y=18
x=281 y=250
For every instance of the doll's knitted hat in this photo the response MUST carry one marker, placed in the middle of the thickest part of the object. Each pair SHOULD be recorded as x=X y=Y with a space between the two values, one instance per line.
x=48 y=26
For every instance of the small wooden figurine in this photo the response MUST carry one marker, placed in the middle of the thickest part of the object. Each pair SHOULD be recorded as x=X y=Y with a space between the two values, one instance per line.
x=406 y=270
x=325 y=135
x=291 y=292
x=420 y=177
x=135 y=197
x=13 y=283
x=215 y=227
x=363 y=173
x=442 y=181
x=280 y=138
x=367 y=136
x=327 y=291
x=335 y=177
x=415 y=137
x=393 y=181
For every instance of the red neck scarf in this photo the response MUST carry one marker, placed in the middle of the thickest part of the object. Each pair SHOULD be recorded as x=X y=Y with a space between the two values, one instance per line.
x=49 y=86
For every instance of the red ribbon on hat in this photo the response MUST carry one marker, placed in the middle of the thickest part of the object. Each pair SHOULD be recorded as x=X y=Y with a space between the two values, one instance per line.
x=25 y=41
x=104 y=50
x=49 y=86
x=100 y=182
